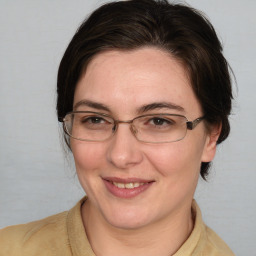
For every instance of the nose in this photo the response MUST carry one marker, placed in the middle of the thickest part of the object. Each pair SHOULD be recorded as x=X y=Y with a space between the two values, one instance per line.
x=124 y=149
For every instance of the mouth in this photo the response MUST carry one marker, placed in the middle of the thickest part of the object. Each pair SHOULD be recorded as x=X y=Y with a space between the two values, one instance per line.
x=126 y=188
x=129 y=185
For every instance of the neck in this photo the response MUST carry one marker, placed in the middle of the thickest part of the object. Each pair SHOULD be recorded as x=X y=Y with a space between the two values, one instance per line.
x=163 y=237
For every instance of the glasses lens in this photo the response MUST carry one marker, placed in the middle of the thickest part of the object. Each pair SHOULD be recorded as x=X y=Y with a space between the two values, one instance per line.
x=88 y=126
x=160 y=128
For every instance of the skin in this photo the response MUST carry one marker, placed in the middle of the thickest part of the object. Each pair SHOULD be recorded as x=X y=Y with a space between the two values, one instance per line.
x=123 y=82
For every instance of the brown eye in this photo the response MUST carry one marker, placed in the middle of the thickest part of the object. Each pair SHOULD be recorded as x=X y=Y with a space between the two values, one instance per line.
x=161 y=121
x=93 y=120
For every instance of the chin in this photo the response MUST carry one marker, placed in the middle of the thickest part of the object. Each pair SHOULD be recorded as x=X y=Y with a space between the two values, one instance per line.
x=127 y=223
x=128 y=218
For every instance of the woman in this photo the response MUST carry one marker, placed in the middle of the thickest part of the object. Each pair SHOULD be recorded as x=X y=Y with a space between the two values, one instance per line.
x=144 y=94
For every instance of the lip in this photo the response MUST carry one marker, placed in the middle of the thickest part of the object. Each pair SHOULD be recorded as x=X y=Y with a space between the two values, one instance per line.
x=124 y=192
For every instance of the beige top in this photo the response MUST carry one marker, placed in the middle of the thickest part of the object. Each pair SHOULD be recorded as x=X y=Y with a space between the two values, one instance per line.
x=63 y=234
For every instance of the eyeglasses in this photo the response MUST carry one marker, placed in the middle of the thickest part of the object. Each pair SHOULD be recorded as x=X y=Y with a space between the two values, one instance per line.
x=151 y=128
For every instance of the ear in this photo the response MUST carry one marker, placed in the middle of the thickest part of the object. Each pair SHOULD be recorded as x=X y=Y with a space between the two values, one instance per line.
x=211 y=143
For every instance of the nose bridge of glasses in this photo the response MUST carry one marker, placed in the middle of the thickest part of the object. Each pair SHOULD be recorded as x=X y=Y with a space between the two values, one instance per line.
x=124 y=122
x=129 y=122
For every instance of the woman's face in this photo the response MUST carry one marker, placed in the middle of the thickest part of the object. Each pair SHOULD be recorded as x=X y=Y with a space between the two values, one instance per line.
x=121 y=84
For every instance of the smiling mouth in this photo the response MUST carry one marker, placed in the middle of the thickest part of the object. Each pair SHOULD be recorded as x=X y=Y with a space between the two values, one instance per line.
x=126 y=188
x=129 y=185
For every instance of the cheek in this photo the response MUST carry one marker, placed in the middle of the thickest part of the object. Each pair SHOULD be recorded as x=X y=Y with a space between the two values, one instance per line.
x=177 y=159
x=89 y=158
x=87 y=155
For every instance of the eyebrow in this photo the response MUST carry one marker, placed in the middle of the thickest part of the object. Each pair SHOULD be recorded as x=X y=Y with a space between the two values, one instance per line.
x=91 y=104
x=160 y=105
x=141 y=110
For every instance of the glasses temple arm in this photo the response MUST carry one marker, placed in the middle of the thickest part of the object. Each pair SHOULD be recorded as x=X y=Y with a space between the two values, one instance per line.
x=192 y=124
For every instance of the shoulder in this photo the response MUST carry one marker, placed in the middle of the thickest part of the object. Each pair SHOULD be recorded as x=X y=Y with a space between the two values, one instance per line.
x=215 y=245
x=203 y=240
x=35 y=238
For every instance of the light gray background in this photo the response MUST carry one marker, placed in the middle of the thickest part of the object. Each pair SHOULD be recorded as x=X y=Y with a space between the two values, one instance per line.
x=36 y=177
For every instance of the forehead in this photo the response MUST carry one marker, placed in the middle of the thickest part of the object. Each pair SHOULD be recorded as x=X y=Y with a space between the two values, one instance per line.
x=116 y=62
x=130 y=78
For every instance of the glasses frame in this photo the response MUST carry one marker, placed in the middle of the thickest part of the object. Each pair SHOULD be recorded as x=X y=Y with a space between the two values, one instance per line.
x=190 y=125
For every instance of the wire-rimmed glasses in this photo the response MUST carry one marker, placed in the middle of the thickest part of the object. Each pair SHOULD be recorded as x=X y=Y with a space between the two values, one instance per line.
x=149 y=128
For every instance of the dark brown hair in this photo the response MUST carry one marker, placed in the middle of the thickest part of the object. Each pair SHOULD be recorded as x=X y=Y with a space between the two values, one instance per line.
x=178 y=29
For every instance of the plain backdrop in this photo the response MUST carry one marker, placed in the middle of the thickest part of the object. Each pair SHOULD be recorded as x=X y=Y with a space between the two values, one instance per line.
x=38 y=179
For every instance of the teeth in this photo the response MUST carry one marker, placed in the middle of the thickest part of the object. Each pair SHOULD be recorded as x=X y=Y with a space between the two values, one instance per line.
x=128 y=185
x=119 y=185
